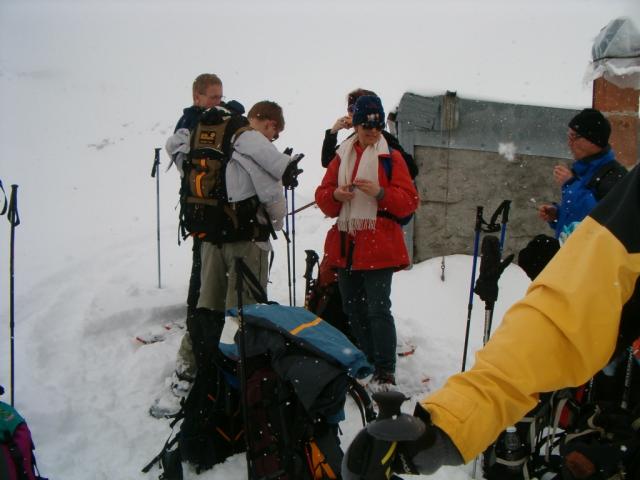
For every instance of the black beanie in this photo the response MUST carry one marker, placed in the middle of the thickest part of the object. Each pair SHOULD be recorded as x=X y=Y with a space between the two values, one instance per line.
x=593 y=126
x=368 y=111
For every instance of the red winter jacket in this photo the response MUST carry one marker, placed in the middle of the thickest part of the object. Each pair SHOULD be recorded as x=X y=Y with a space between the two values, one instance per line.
x=370 y=249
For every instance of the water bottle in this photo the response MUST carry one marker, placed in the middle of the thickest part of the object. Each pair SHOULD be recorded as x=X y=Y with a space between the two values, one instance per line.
x=514 y=451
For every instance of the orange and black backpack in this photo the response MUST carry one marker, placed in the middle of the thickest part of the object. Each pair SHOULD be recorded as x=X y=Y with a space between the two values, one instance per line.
x=205 y=211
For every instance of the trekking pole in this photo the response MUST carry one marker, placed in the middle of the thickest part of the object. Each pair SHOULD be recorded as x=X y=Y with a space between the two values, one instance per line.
x=628 y=374
x=311 y=261
x=243 y=364
x=504 y=221
x=304 y=207
x=14 y=220
x=476 y=244
x=155 y=172
x=2 y=212
x=491 y=268
x=287 y=238
x=293 y=243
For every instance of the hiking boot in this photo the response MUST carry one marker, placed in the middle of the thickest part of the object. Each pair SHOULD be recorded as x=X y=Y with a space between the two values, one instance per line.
x=381 y=382
x=170 y=401
x=166 y=405
x=181 y=384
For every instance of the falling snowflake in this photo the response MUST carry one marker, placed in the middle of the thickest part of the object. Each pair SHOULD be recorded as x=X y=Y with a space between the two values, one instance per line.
x=507 y=150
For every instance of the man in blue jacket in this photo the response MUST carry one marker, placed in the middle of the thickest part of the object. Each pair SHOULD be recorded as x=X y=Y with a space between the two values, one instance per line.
x=594 y=173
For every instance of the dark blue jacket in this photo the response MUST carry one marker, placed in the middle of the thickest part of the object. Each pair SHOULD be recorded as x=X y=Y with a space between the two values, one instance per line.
x=577 y=198
x=189 y=118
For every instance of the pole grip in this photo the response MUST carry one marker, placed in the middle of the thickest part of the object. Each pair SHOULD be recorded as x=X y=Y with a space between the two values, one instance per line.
x=156 y=162
x=12 y=213
x=478 y=226
x=505 y=212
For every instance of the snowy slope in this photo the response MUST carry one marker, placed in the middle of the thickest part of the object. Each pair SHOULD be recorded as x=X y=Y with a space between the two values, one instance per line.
x=86 y=376
x=89 y=88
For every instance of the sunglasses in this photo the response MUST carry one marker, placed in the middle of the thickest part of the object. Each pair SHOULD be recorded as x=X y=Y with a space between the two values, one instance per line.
x=372 y=126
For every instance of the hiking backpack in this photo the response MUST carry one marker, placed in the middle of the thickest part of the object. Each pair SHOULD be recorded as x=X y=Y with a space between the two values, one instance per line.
x=17 y=460
x=299 y=371
x=205 y=211
x=386 y=165
x=294 y=398
x=589 y=432
x=394 y=144
x=606 y=178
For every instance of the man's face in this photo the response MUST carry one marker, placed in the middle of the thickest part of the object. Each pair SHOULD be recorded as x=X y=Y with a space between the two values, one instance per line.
x=581 y=147
x=211 y=97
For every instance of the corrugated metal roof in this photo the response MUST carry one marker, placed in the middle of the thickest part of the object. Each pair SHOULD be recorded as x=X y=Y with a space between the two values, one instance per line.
x=483 y=125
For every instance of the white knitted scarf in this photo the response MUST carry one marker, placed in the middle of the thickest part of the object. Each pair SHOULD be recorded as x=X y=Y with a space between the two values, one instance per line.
x=359 y=213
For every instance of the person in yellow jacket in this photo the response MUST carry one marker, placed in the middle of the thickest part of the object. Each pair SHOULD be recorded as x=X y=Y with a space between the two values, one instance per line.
x=559 y=335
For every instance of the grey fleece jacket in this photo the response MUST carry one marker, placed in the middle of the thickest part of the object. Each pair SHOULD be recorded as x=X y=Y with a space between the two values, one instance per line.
x=255 y=168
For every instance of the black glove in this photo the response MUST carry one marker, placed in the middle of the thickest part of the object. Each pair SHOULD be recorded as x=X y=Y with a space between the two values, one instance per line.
x=372 y=452
x=429 y=452
x=290 y=175
x=368 y=458
x=372 y=458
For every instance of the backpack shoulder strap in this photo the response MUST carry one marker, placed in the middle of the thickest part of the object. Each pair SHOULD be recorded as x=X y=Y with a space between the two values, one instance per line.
x=394 y=144
x=240 y=131
x=605 y=178
x=386 y=165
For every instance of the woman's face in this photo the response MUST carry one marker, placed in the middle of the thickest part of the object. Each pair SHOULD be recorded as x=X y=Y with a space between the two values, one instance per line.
x=367 y=135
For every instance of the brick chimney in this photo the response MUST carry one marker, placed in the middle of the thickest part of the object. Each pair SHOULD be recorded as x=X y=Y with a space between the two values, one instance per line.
x=620 y=106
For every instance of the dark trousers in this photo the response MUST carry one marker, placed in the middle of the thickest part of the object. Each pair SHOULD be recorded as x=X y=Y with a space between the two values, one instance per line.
x=366 y=302
x=194 y=280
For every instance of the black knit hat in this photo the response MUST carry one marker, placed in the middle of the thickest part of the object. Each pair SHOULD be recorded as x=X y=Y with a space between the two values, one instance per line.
x=368 y=111
x=593 y=126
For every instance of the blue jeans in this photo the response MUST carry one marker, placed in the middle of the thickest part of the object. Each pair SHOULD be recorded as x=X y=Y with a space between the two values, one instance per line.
x=366 y=302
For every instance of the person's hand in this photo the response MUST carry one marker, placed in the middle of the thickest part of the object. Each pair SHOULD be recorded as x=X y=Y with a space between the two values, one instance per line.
x=368 y=457
x=367 y=186
x=561 y=173
x=374 y=458
x=342 y=122
x=548 y=213
x=290 y=175
x=344 y=193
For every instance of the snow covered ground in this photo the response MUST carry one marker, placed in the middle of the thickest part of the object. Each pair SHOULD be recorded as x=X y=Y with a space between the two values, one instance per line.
x=88 y=89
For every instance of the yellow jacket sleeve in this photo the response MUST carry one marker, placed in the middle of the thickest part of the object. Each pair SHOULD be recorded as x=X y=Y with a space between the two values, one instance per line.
x=560 y=334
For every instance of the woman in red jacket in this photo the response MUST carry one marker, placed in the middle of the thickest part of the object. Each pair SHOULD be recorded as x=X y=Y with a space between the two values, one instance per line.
x=368 y=188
